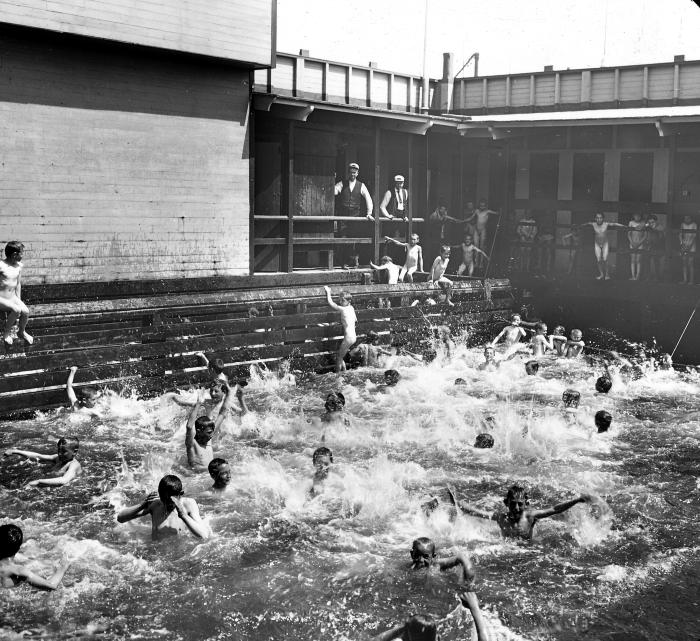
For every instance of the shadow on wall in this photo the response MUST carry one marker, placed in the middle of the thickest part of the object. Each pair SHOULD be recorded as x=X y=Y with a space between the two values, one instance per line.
x=61 y=70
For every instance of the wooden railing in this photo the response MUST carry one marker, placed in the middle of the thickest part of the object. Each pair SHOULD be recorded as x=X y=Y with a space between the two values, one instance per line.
x=673 y=83
x=343 y=84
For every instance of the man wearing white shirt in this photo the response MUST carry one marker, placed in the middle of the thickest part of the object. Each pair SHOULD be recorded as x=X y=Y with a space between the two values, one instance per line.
x=395 y=201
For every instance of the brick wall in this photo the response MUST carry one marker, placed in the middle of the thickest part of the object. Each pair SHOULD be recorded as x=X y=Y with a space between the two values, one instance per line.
x=116 y=163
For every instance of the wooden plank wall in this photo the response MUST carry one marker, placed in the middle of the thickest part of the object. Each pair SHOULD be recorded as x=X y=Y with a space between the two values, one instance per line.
x=240 y=30
x=122 y=165
x=149 y=343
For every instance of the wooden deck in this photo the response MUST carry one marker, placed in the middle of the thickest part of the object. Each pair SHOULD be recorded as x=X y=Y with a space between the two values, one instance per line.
x=145 y=336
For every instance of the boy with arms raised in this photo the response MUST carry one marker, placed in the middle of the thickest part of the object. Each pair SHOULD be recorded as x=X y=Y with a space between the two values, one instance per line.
x=12 y=573
x=201 y=429
x=66 y=465
x=11 y=292
x=170 y=513
x=519 y=521
x=392 y=271
x=348 y=319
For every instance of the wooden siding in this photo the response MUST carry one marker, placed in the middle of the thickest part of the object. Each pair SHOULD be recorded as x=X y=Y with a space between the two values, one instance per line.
x=119 y=168
x=240 y=30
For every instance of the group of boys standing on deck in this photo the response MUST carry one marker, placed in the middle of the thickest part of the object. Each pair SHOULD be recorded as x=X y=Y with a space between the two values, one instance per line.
x=352 y=196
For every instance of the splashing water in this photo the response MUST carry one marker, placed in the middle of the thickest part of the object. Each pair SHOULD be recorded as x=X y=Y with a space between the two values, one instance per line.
x=286 y=564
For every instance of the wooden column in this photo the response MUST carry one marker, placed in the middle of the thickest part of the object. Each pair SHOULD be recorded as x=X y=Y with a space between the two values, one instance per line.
x=411 y=192
x=565 y=189
x=290 y=198
x=377 y=193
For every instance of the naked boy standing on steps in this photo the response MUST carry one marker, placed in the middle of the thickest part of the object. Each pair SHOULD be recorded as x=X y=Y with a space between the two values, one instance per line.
x=11 y=292
x=601 y=245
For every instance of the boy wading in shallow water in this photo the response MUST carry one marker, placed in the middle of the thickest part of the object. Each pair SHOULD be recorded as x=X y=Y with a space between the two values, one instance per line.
x=170 y=513
x=13 y=573
x=519 y=521
x=11 y=292
x=349 y=319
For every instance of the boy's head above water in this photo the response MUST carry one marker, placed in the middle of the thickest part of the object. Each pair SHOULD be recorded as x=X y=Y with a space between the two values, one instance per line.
x=322 y=458
x=67 y=448
x=11 y=538
x=516 y=500
x=532 y=367
x=603 y=420
x=422 y=552
x=576 y=334
x=335 y=402
x=420 y=627
x=87 y=396
x=203 y=430
x=220 y=471
x=391 y=377
x=603 y=384
x=483 y=441
x=515 y=319
x=169 y=486
x=216 y=391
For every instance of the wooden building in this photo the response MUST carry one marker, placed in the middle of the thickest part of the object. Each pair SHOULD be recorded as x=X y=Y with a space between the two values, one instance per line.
x=125 y=133
x=561 y=145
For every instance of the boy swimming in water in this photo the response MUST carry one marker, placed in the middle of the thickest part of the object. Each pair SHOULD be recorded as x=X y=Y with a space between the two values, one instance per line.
x=490 y=363
x=367 y=353
x=220 y=472
x=511 y=333
x=424 y=555
x=574 y=346
x=539 y=342
x=13 y=573
x=322 y=459
x=11 y=293
x=349 y=319
x=519 y=521
x=215 y=367
x=423 y=627
x=84 y=397
x=66 y=465
x=170 y=513
x=414 y=257
x=201 y=429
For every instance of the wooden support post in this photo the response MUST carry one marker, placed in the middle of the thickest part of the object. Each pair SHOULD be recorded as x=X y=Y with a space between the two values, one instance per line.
x=377 y=192
x=676 y=83
x=411 y=191
x=671 y=236
x=290 y=199
x=324 y=81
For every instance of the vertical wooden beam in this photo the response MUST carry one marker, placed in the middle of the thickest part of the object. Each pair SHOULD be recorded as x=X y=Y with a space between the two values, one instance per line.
x=290 y=198
x=586 y=84
x=611 y=176
x=616 y=86
x=522 y=175
x=390 y=92
x=370 y=80
x=377 y=191
x=659 y=182
x=670 y=219
x=483 y=178
x=645 y=85
x=409 y=98
x=324 y=81
x=251 y=182
x=485 y=93
x=508 y=91
x=557 y=88
x=565 y=188
x=411 y=191
x=348 y=79
x=532 y=91
x=676 y=83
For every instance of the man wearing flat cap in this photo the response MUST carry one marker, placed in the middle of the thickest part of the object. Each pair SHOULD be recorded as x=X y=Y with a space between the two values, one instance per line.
x=350 y=194
x=395 y=201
